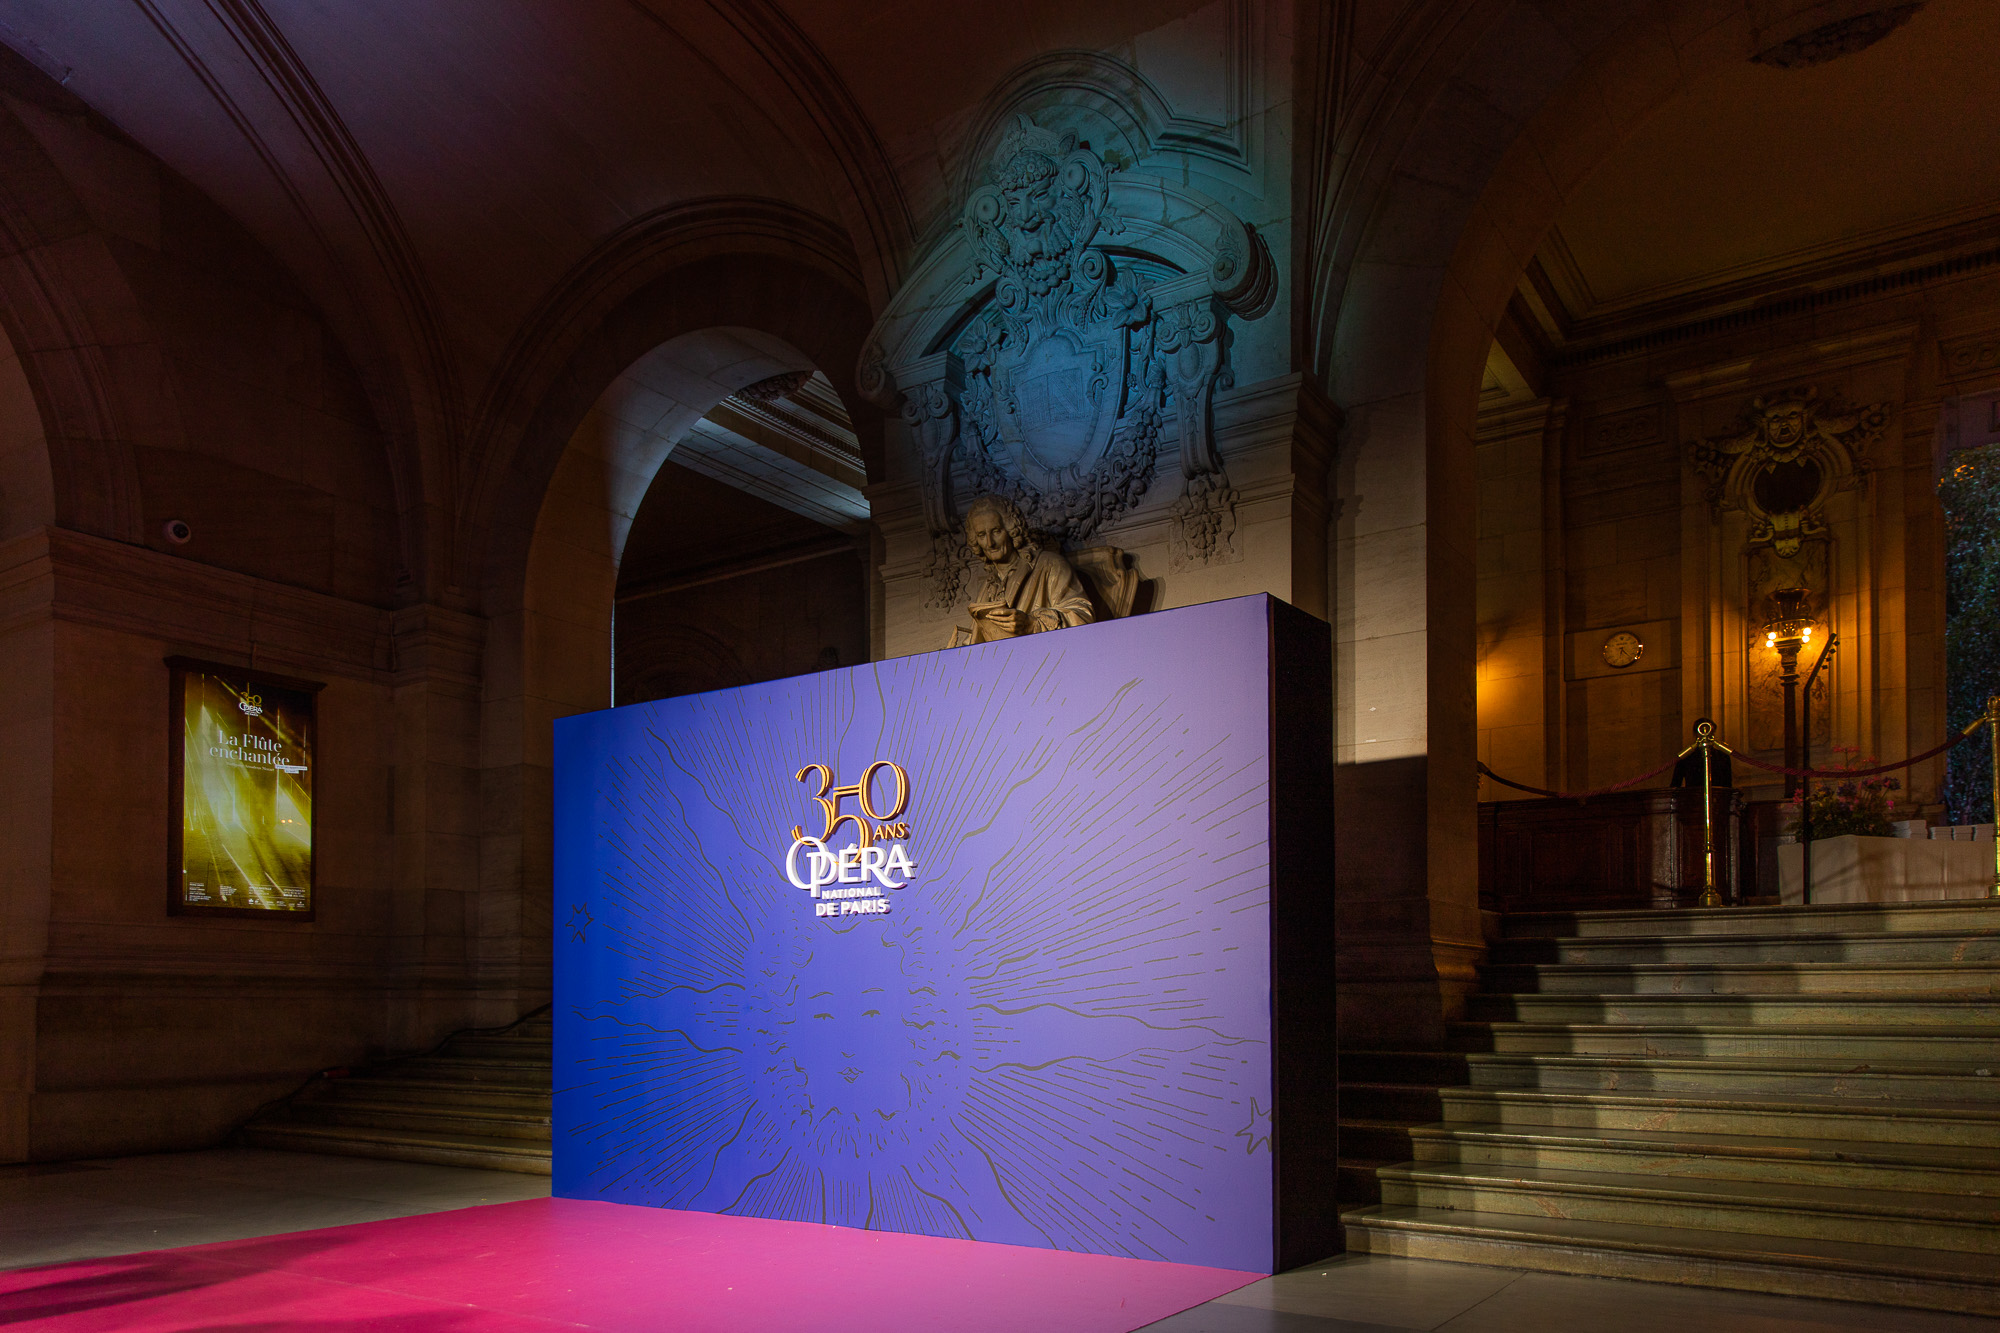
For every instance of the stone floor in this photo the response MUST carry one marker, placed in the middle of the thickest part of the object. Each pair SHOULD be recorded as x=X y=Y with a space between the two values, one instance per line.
x=1370 y=1293
x=76 y=1210
x=54 y=1211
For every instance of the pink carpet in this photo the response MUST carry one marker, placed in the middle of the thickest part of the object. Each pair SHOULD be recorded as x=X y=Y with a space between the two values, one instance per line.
x=544 y=1263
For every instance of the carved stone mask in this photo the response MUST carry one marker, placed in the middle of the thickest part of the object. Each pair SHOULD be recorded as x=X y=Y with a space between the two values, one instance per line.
x=1029 y=191
x=1038 y=242
x=1785 y=425
x=1784 y=457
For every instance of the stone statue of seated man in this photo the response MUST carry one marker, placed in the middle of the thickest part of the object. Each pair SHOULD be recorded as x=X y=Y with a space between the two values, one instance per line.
x=1026 y=589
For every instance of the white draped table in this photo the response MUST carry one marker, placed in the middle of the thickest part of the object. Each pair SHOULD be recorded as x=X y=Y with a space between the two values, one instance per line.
x=1887 y=870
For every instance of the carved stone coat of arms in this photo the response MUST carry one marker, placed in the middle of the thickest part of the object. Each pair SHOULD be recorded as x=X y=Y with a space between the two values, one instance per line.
x=1082 y=320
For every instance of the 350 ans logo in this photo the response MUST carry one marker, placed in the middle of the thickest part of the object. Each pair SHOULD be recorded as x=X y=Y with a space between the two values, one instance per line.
x=823 y=868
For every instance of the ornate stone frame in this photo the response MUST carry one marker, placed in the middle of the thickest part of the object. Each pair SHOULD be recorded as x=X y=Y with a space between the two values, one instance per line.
x=1172 y=333
x=1794 y=428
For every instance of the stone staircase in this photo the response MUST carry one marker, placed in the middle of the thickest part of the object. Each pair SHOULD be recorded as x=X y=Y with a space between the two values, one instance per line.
x=480 y=1099
x=1802 y=1100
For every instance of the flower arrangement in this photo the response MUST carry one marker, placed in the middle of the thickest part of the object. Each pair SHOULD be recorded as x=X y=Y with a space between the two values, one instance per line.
x=1856 y=806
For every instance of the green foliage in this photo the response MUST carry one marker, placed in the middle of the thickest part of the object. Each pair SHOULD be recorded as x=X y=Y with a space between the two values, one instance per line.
x=1970 y=493
x=1858 y=805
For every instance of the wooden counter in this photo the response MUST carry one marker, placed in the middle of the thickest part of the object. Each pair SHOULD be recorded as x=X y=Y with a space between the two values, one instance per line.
x=1631 y=849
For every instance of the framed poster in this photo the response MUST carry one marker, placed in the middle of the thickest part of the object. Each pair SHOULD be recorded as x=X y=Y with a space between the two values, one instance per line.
x=240 y=782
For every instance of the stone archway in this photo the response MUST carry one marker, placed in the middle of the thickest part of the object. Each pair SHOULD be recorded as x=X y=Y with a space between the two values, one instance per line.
x=604 y=474
x=27 y=482
x=28 y=757
x=1444 y=190
x=557 y=517
x=60 y=285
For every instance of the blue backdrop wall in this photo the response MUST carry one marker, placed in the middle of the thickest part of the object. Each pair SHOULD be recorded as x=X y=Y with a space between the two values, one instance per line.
x=1022 y=993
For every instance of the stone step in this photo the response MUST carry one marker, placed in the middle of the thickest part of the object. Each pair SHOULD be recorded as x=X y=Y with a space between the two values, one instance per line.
x=1432 y=1068
x=1358 y=1180
x=1764 y=1208
x=1738 y=1010
x=440 y=1149
x=1852 y=918
x=1938 y=946
x=1410 y=1103
x=481 y=1099
x=1973 y=1048
x=1376 y=1140
x=1780 y=1099
x=1901 y=1073
x=1970 y=980
x=1753 y=1116
x=499 y=1046
x=1661 y=1155
x=1879 y=1083
x=1832 y=1270
x=435 y=1092
x=448 y=1069
x=508 y=1124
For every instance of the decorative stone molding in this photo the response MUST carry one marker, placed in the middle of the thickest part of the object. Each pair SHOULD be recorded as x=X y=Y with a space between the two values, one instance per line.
x=514 y=448
x=931 y=412
x=1045 y=347
x=1621 y=431
x=1136 y=118
x=1785 y=457
x=1977 y=355
x=196 y=608
x=776 y=387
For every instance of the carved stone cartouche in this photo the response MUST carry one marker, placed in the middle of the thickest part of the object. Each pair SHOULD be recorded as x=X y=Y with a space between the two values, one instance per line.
x=1058 y=411
x=1784 y=458
x=1060 y=346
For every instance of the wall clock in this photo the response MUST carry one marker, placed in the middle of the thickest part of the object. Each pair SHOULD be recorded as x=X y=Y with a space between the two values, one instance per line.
x=1622 y=649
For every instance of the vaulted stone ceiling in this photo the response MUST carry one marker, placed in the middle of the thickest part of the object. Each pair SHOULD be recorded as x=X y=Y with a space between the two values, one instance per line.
x=1760 y=173
x=430 y=171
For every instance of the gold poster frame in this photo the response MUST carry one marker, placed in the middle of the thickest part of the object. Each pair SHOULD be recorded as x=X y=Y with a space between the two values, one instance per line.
x=256 y=683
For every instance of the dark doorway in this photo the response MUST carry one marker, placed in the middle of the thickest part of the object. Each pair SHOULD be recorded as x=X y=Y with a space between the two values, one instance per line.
x=720 y=587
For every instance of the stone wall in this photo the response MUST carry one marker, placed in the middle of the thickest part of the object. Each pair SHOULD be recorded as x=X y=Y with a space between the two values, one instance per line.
x=127 y=1029
x=1640 y=546
x=168 y=369
x=765 y=624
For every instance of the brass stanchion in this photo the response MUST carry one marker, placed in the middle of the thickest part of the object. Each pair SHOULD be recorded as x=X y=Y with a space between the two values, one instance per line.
x=1826 y=653
x=1993 y=741
x=1704 y=740
x=1990 y=719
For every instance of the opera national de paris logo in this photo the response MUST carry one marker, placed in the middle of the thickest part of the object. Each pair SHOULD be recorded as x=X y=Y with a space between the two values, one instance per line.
x=852 y=880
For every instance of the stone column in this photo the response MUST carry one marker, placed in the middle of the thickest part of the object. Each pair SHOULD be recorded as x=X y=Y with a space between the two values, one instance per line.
x=447 y=910
x=27 y=818
x=1520 y=598
x=1406 y=837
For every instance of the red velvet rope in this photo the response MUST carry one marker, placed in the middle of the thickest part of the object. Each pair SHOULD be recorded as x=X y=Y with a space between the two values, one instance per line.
x=1743 y=759
x=1578 y=795
x=1860 y=772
